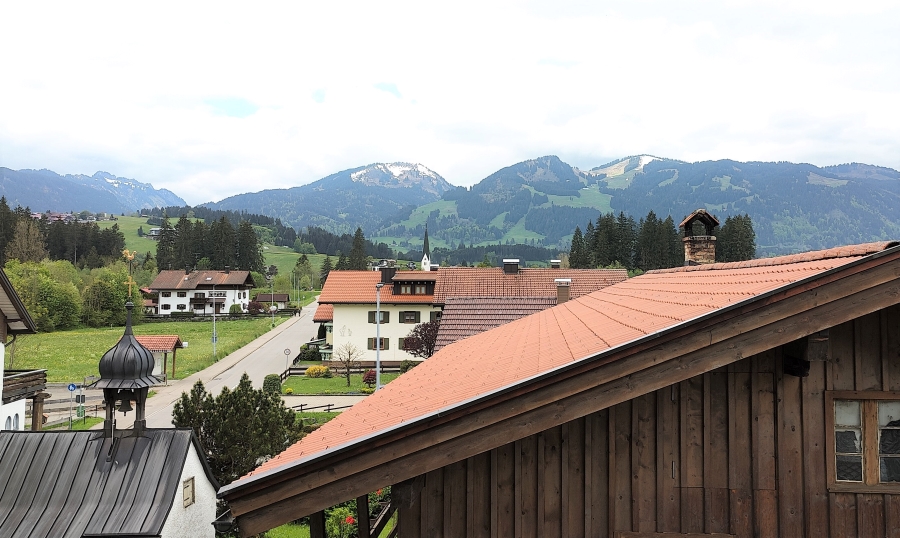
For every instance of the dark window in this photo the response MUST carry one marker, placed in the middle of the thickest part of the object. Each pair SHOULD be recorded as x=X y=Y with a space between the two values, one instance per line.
x=371 y=343
x=435 y=315
x=410 y=317
x=166 y=294
x=165 y=306
x=182 y=294
x=385 y=316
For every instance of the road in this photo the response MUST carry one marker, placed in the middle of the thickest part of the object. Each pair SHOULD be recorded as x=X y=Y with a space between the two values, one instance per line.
x=261 y=357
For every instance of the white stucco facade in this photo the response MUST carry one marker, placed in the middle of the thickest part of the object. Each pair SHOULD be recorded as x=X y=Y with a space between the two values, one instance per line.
x=351 y=325
x=195 y=520
x=201 y=302
x=12 y=415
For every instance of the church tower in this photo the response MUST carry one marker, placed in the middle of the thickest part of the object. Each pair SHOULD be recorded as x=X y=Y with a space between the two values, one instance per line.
x=426 y=253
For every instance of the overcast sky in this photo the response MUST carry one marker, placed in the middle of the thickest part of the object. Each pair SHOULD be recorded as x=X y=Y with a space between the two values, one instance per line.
x=211 y=100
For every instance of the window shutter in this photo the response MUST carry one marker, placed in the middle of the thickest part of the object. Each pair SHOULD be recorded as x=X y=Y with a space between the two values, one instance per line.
x=371 y=317
x=418 y=316
x=385 y=342
x=385 y=316
x=400 y=343
x=370 y=343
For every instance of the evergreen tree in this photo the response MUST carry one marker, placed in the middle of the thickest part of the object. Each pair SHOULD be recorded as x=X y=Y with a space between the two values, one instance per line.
x=588 y=243
x=165 y=246
x=577 y=254
x=222 y=243
x=237 y=429
x=343 y=264
x=622 y=248
x=249 y=256
x=736 y=240
x=326 y=268
x=357 y=259
x=184 y=247
x=7 y=227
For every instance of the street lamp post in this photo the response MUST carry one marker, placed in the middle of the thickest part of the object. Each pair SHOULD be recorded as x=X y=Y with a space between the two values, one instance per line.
x=378 y=335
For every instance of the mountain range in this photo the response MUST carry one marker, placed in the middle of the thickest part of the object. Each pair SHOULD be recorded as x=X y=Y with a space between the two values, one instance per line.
x=43 y=190
x=794 y=207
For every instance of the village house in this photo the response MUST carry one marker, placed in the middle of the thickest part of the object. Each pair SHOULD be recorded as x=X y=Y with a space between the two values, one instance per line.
x=408 y=298
x=202 y=292
x=280 y=300
x=18 y=385
x=116 y=483
x=757 y=398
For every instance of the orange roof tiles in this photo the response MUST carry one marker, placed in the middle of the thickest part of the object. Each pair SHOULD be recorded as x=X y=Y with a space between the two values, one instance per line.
x=465 y=316
x=358 y=287
x=324 y=312
x=528 y=282
x=160 y=342
x=575 y=330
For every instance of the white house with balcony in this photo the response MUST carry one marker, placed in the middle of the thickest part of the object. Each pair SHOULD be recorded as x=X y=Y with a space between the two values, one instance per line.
x=202 y=292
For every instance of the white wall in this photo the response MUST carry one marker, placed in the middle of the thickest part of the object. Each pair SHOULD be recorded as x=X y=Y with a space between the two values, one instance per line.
x=13 y=411
x=196 y=520
x=351 y=324
x=232 y=296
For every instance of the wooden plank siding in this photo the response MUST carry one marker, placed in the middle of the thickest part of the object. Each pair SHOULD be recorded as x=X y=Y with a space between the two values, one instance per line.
x=738 y=451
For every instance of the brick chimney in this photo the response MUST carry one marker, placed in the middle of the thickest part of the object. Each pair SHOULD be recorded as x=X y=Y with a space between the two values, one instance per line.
x=562 y=289
x=699 y=249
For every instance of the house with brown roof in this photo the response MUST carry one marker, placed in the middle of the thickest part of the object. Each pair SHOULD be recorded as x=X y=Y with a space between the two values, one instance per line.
x=408 y=298
x=757 y=398
x=280 y=300
x=202 y=292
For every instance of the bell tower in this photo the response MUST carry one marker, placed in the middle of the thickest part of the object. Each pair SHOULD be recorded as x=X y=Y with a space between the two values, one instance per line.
x=699 y=248
x=125 y=377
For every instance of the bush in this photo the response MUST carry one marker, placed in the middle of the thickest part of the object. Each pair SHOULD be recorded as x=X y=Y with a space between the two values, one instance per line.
x=369 y=378
x=255 y=307
x=235 y=310
x=407 y=365
x=308 y=354
x=318 y=371
x=289 y=390
x=272 y=383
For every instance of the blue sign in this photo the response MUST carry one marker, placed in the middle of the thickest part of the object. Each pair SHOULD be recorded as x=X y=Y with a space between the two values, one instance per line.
x=72 y=387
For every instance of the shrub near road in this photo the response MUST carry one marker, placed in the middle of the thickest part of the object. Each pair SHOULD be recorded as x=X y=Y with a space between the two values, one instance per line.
x=73 y=355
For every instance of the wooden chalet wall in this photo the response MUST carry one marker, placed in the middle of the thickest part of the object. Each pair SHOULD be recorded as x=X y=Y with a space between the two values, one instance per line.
x=738 y=451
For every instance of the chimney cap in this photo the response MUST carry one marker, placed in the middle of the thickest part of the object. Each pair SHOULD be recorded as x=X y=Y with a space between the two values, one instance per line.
x=555 y=261
x=562 y=281
x=510 y=260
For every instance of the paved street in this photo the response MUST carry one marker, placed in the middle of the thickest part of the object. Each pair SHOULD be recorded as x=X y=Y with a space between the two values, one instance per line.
x=263 y=356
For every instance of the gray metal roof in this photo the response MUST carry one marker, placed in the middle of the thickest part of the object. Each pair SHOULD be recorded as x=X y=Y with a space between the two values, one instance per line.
x=63 y=484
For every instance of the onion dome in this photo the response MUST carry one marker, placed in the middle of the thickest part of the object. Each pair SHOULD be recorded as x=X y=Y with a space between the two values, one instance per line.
x=128 y=364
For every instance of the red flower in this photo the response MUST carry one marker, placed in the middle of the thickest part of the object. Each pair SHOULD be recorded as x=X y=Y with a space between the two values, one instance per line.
x=378 y=493
x=350 y=520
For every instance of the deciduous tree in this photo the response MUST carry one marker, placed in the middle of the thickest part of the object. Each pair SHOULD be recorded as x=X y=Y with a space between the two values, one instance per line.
x=347 y=355
x=422 y=339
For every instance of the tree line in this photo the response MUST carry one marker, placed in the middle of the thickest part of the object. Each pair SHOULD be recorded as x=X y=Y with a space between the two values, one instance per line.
x=83 y=243
x=652 y=242
x=196 y=245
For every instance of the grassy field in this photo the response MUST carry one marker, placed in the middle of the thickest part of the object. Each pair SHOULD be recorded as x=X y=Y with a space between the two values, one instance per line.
x=78 y=424
x=129 y=227
x=333 y=385
x=70 y=356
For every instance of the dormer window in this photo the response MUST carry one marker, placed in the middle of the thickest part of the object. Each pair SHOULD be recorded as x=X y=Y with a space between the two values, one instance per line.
x=420 y=289
x=405 y=289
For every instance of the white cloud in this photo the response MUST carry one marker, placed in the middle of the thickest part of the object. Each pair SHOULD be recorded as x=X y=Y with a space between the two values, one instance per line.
x=214 y=99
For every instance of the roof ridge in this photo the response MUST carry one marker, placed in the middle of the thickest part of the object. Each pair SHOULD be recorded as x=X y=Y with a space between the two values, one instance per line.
x=863 y=249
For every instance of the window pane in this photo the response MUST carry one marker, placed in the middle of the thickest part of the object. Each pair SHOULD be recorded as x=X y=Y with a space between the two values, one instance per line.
x=847 y=441
x=890 y=469
x=849 y=468
x=889 y=442
x=889 y=413
x=846 y=413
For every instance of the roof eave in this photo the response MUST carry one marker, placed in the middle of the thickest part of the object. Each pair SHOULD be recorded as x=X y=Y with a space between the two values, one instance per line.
x=23 y=316
x=647 y=343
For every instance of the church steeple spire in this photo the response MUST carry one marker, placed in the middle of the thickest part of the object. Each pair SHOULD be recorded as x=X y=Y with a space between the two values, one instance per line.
x=426 y=252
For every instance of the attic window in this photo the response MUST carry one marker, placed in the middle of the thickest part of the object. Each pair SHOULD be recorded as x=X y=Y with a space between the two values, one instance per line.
x=187 y=488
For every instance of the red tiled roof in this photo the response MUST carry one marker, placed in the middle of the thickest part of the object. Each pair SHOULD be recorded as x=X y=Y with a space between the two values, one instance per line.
x=578 y=329
x=161 y=342
x=466 y=316
x=324 y=312
x=178 y=280
x=528 y=282
x=358 y=287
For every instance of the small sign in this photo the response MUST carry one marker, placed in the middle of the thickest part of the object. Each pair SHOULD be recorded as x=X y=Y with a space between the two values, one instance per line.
x=72 y=387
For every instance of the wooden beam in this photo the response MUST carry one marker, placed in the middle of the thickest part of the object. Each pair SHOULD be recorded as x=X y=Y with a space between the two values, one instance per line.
x=591 y=387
